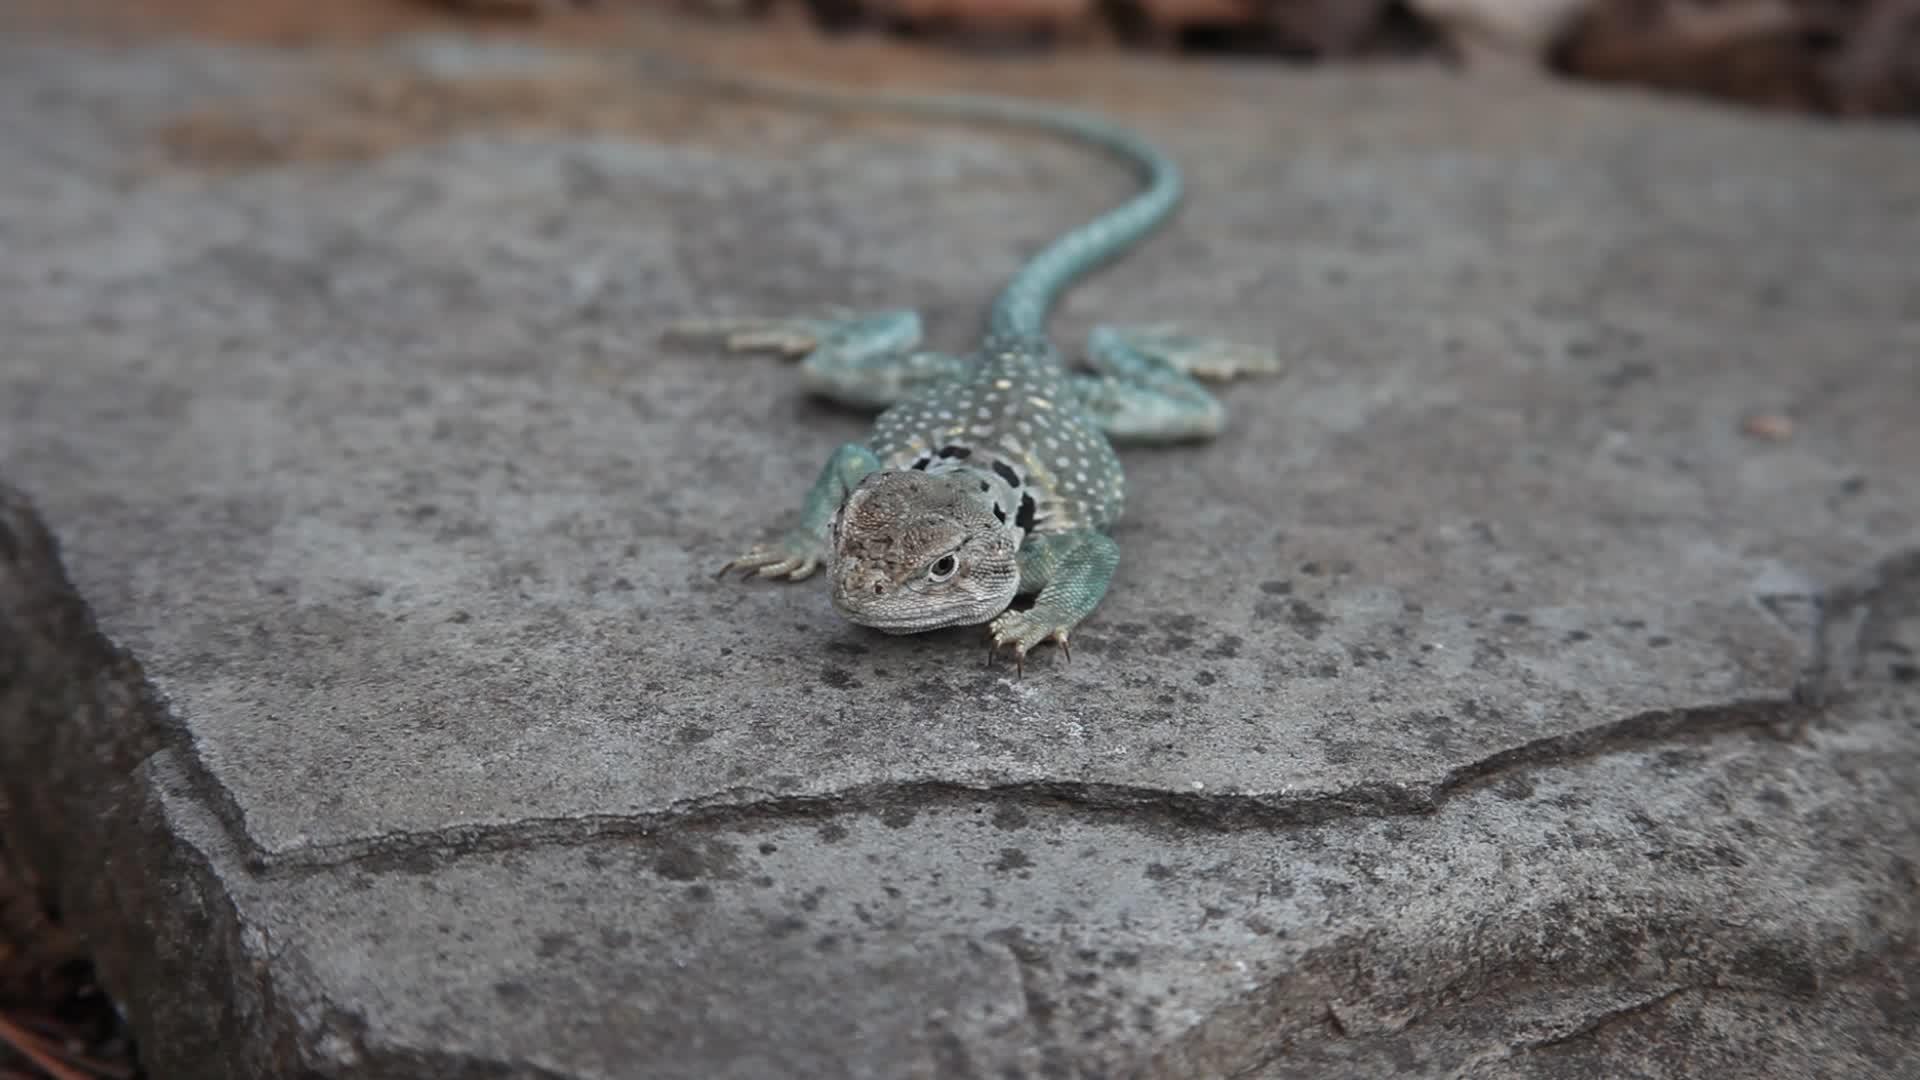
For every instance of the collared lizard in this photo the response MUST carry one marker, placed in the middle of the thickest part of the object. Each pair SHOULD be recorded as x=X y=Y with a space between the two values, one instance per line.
x=992 y=475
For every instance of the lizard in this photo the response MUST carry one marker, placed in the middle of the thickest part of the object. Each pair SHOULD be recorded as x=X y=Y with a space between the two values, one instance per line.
x=991 y=475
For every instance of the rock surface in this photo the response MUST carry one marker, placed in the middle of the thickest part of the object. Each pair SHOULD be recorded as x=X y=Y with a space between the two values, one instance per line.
x=1500 y=698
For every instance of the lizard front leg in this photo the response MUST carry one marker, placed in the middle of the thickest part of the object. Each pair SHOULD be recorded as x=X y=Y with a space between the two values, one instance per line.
x=1070 y=571
x=863 y=361
x=801 y=550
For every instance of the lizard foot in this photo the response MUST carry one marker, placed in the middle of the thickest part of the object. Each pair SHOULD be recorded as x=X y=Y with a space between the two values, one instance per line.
x=843 y=337
x=795 y=558
x=864 y=361
x=1020 y=631
x=788 y=337
x=1194 y=354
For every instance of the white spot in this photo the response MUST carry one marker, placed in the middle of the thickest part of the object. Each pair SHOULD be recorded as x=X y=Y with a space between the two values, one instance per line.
x=1040 y=402
x=1003 y=384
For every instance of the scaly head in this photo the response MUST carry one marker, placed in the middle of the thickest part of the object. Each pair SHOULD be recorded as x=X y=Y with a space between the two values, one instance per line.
x=917 y=550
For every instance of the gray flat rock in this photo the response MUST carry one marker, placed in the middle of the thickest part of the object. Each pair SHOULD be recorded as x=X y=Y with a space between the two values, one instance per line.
x=1497 y=699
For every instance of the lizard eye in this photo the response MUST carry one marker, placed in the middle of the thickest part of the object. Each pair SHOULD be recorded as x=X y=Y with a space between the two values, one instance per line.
x=942 y=568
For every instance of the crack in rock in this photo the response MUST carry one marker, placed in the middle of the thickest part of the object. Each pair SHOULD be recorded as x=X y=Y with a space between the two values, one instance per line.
x=746 y=807
x=1894 y=582
x=1858 y=626
x=1852 y=620
x=1587 y=1028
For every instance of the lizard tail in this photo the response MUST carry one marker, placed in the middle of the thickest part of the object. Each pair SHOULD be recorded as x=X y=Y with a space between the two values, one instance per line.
x=1020 y=311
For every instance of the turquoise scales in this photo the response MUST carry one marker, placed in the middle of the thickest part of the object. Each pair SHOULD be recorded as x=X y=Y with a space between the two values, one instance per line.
x=987 y=476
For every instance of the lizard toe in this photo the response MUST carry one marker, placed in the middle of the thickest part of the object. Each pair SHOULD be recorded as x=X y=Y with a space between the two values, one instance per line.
x=787 y=342
x=787 y=337
x=767 y=562
x=1018 y=632
x=793 y=568
x=746 y=564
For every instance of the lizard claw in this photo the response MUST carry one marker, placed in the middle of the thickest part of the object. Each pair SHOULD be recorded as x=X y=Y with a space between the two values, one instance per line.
x=771 y=562
x=1019 y=631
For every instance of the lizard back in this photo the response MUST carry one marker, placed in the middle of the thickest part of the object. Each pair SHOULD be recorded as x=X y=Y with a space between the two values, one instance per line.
x=1015 y=418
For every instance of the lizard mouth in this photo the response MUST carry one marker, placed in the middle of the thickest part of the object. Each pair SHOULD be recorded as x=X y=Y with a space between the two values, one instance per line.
x=911 y=611
x=889 y=619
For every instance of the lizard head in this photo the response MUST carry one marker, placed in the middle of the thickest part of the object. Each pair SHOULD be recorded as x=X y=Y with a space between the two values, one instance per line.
x=917 y=551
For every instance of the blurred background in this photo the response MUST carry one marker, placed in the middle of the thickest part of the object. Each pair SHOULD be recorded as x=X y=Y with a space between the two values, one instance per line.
x=1828 y=57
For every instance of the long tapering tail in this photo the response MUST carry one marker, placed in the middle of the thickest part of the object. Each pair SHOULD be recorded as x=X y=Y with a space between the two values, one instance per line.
x=1021 y=309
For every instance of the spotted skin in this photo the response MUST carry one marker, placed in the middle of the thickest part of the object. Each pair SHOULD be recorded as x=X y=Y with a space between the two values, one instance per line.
x=1019 y=420
x=992 y=475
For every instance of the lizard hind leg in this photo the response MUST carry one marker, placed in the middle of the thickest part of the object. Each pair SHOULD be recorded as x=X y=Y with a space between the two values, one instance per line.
x=865 y=361
x=1146 y=383
x=1212 y=359
x=1137 y=395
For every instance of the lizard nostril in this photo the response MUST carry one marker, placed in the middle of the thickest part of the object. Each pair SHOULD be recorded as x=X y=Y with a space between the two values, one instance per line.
x=878 y=588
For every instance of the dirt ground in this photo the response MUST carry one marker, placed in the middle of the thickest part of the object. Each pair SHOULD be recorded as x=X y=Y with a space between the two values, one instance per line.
x=54 y=1022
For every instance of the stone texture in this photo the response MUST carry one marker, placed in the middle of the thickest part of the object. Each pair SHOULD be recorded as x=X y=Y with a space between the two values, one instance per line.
x=1491 y=702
